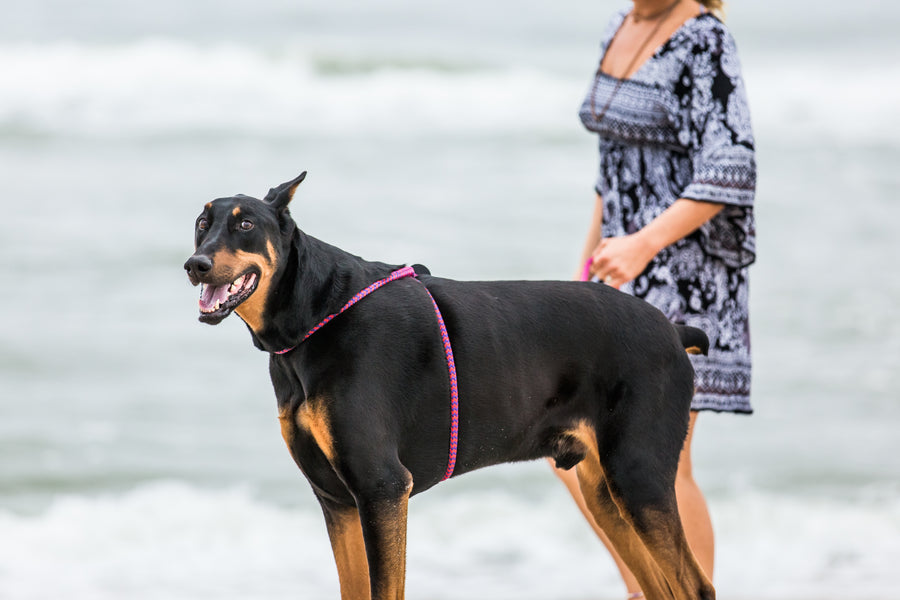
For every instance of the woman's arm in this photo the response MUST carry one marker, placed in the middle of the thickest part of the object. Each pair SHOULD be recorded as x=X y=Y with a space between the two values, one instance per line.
x=594 y=235
x=619 y=260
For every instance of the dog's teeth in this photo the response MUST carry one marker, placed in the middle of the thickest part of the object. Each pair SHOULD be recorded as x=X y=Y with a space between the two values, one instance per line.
x=236 y=285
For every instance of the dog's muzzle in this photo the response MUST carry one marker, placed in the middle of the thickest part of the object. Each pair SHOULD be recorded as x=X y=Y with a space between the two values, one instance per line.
x=197 y=266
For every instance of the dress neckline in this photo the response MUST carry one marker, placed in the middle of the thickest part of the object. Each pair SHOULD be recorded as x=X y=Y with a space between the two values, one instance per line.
x=703 y=12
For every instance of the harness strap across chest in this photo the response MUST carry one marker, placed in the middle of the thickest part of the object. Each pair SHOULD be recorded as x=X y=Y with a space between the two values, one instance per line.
x=445 y=339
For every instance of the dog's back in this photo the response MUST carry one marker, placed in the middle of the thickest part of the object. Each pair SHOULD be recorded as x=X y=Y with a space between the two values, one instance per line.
x=540 y=356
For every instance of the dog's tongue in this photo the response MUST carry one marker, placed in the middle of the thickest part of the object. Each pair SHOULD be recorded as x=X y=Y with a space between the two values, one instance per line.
x=211 y=294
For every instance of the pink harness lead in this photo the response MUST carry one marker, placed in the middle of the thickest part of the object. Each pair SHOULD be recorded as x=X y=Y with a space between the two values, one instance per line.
x=445 y=339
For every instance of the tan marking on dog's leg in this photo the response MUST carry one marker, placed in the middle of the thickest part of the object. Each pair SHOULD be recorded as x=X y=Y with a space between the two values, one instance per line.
x=345 y=533
x=387 y=563
x=693 y=350
x=288 y=422
x=652 y=543
x=313 y=417
x=664 y=538
x=608 y=516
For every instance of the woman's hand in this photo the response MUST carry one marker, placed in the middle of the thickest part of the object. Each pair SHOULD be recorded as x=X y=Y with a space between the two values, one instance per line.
x=618 y=260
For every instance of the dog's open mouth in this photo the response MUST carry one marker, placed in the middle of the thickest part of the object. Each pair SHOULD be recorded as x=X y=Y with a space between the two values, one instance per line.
x=217 y=301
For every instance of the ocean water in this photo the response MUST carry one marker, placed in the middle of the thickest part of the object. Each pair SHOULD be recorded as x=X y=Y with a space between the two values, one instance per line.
x=139 y=451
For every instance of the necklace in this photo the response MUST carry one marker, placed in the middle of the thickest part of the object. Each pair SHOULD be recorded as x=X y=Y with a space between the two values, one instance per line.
x=661 y=17
x=638 y=18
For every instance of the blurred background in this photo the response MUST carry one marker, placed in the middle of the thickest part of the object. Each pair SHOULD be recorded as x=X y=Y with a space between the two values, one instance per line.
x=140 y=455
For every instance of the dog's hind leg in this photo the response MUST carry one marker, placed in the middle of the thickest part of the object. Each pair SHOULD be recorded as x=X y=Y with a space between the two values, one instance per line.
x=606 y=513
x=658 y=525
x=639 y=471
x=345 y=533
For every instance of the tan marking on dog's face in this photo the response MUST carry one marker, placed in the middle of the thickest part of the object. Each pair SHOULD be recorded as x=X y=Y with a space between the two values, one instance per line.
x=693 y=350
x=236 y=211
x=207 y=206
x=251 y=310
x=313 y=417
x=232 y=263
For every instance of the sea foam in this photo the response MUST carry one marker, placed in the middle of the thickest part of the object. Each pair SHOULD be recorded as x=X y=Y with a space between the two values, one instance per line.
x=163 y=87
x=173 y=540
x=159 y=87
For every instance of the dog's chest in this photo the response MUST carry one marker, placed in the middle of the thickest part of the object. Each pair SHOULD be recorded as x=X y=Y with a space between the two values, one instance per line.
x=306 y=429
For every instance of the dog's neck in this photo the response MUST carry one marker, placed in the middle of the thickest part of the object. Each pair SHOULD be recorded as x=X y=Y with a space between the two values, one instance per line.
x=314 y=279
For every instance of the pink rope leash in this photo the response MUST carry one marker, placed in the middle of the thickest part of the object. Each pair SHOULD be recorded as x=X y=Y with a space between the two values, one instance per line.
x=586 y=274
x=445 y=339
x=398 y=274
x=454 y=389
x=586 y=271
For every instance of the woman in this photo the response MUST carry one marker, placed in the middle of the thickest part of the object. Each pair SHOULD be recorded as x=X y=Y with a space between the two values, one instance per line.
x=673 y=221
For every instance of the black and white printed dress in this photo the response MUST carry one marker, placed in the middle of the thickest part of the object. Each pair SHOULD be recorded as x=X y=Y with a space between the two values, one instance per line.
x=680 y=128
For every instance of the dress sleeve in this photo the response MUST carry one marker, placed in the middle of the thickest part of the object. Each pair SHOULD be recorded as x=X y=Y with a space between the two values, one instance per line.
x=716 y=130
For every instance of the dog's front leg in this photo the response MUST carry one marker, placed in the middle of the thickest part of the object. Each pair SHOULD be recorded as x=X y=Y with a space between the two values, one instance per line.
x=383 y=512
x=345 y=533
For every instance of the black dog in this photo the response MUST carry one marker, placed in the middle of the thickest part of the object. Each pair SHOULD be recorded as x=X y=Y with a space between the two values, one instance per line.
x=574 y=371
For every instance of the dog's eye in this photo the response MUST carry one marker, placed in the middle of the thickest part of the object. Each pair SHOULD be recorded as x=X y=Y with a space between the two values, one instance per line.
x=202 y=224
x=246 y=225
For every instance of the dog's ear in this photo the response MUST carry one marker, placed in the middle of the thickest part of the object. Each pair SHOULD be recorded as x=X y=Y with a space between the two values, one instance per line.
x=279 y=197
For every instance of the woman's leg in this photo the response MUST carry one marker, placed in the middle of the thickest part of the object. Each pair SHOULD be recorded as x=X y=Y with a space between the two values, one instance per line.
x=691 y=506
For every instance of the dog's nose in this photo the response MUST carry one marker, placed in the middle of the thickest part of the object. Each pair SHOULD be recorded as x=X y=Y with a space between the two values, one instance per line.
x=198 y=264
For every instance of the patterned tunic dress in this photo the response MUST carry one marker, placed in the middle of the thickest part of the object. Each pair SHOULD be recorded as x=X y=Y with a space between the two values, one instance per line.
x=680 y=128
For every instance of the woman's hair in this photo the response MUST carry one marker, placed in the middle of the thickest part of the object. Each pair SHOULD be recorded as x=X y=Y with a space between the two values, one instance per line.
x=717 y=7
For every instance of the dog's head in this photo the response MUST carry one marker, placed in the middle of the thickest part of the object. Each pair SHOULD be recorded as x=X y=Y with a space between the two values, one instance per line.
x=238 y=244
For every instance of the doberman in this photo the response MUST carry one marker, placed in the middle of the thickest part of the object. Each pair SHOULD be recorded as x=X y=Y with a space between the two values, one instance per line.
x=582 y=373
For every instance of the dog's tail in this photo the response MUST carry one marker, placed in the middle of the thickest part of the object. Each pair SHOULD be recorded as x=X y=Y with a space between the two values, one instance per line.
x=693 y=339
